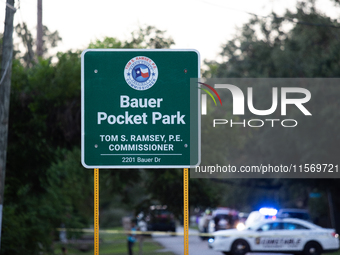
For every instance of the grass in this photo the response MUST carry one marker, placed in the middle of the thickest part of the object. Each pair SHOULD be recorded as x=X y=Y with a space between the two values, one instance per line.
x=333 y=253
x=113 y=244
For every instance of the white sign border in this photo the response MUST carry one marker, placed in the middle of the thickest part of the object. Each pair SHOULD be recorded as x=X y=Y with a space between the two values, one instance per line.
x=83 y=110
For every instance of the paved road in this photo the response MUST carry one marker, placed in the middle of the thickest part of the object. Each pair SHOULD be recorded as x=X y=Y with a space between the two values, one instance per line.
x=197 y=246
x=175 y=244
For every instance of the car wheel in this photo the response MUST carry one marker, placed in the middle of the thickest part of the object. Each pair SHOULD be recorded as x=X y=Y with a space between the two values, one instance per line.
x=312 y=248
x=239 y=247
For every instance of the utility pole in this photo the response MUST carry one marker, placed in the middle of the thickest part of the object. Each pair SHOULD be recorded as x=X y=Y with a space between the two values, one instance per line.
x=39 y=31
x=5 y=88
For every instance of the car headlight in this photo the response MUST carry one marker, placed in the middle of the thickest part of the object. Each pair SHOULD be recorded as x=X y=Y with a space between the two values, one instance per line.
x=240 y=226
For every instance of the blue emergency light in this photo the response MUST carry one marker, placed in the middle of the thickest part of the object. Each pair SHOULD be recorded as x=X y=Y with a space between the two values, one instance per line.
x=268 y=211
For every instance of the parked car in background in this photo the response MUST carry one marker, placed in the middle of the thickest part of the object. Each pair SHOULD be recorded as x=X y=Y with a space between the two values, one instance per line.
x=223 y=218
x=218 y=219
x=159 y=218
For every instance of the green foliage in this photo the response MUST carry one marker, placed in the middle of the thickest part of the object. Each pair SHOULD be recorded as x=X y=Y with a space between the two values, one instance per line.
x=64 y=197
x=44 y=116
x=121 y=190
x=107 y=43
x=264 y=47
x=69 y=188
x=45 y=183
x=166 y=186
x=304 y=43
x=148 y=37
x=27 y=40
x=50 y=40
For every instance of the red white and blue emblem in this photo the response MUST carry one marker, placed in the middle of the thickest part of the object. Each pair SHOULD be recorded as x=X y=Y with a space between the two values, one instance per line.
x=141 y=73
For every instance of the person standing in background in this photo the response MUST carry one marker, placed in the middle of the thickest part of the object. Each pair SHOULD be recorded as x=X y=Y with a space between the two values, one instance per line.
x=131 y=238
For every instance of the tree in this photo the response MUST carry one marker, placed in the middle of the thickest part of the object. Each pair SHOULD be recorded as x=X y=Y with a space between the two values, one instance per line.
x=147 y=37
x=309 y=49
x=50 y=40
x=46 y=185
x=45 y=111
x=264 y=48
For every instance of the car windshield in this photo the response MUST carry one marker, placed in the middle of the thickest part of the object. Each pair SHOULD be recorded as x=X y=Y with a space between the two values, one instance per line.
x=254 y=226
x=284 y=225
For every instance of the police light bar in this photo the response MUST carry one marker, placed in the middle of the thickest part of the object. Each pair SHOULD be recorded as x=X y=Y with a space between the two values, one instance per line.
x=268 y=211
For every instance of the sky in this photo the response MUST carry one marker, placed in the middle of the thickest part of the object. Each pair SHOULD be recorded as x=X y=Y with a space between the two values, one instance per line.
x=204 y=25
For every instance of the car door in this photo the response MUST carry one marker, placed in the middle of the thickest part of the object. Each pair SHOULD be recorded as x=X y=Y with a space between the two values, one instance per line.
x=267 y=237
x=295 y=235
x=280 y=236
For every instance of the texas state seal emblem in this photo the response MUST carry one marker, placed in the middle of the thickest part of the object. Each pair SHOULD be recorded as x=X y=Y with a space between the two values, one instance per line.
x=141 y=73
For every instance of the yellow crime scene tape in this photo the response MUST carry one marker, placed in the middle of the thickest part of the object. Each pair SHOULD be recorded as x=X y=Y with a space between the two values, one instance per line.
x=127 y=232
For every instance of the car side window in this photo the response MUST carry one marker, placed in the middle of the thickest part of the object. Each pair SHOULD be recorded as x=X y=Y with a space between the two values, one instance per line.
x=271 y=226
x=264 y=227
x=293 y=226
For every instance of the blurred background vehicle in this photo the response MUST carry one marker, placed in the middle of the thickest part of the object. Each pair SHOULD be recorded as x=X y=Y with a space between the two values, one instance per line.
x=240 y=223
x=222 y=218
x=159 y=218
x=294 y=213
x=218 y=219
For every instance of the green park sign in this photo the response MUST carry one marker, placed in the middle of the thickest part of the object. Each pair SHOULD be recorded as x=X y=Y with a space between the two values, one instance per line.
x=140 y=108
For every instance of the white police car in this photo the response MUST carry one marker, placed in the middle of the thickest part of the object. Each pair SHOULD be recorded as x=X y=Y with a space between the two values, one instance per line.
x=280 y=235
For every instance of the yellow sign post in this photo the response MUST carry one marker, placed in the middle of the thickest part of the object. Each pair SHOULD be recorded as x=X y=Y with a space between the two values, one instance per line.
x=96 y=211
x=186 y=210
